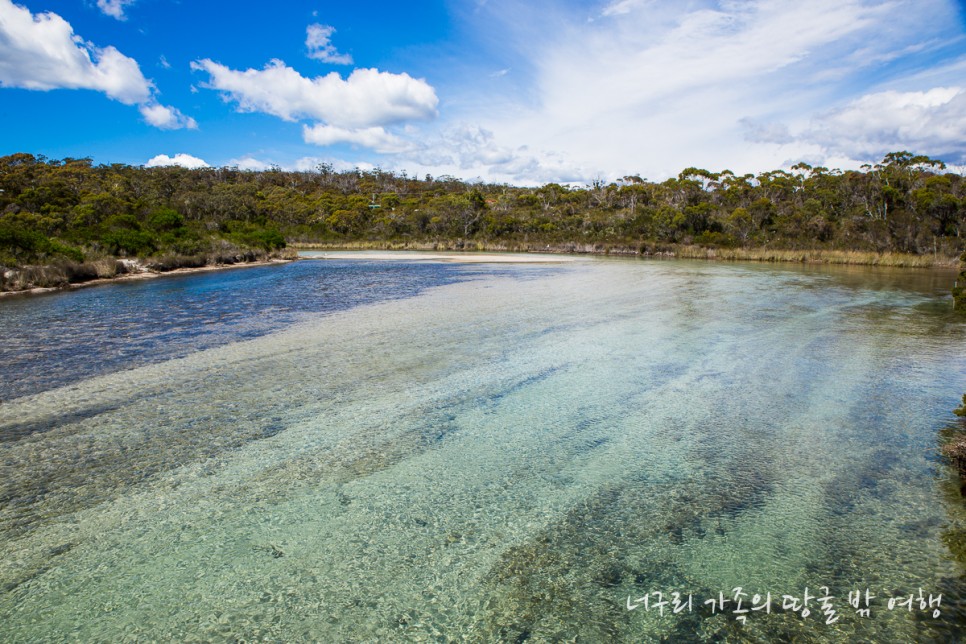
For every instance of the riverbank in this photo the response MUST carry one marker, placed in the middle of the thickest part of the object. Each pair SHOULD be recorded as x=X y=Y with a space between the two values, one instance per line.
x=680 y=251
x=452 y=257
x=32 y=280
x=122 y=270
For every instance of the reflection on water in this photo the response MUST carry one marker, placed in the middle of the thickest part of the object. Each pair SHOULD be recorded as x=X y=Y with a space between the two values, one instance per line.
x=496 y=458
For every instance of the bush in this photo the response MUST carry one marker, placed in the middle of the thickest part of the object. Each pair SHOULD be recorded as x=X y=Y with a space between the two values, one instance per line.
x=23 y=246
x=269 y=239
x=21 y=242
x=166 y=220
x=125 y=242
x=122 y=222
x=253 y=236
x=70 y=252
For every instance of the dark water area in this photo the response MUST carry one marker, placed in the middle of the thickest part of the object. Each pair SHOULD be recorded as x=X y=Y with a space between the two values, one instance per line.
x=55 y=339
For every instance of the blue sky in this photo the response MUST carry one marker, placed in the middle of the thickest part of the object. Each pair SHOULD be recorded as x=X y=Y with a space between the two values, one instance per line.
x=517 y=92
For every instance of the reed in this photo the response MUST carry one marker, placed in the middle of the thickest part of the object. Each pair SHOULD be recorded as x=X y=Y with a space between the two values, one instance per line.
x=815 y=256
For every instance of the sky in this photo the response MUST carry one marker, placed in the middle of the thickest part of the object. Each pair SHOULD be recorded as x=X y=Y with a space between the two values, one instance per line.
x=523 y=93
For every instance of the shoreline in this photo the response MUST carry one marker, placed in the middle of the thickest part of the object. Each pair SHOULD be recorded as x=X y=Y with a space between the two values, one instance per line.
x=483 y=252
x=446 y=257
x=145 y=274
x=760 y=255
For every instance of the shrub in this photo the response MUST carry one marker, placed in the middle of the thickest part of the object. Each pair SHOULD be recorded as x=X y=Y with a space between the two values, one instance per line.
x=125 y=242
x=22 y=246
x=253 y=236
x=166 y=220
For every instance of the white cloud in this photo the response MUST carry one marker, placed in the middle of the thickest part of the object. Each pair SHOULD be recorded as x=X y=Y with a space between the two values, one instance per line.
x=166 y=118
x=646 y=87
x=41 y=52
x=620 y=7
x=657 y=87
x=164 y=63
x=114 y=8
x=766 y=132
x=932 y=122
x=725 y=52
x=469 y=150
x=249 y=162
x=367 y=98
x=467 y=146
x=309 y=164
x=317 y=41
x=355 y=110
x=376 y=138
x=183 y=160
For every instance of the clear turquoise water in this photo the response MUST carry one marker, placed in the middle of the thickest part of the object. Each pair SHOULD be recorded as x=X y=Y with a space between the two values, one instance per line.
x=506 y=455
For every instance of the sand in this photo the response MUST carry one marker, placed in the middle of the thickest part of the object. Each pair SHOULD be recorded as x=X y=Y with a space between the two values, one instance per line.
x=454 y=257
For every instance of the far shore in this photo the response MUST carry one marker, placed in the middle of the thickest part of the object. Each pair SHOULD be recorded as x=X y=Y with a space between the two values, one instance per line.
x=456 y=257
x=144 y=275
x=455 y=251
x=465 y=253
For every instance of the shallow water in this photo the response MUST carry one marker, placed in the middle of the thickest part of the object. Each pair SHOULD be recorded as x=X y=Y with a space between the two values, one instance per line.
x=52 y=340
x=499 y=453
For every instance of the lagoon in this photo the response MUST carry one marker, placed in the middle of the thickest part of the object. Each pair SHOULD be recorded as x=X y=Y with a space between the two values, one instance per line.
x=350 y=449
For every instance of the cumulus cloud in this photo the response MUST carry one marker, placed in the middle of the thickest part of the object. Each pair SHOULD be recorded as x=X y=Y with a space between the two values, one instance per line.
x=114 y=8
x=309 y=164
x=320 y=47
x=467 y=146
x=166 y=118
x=367 y=98
x=41 y=52
x=376 y=138
x=183 y=160
x=354 y=110
x=465 y=149
x=249 y=163
x=932 y=121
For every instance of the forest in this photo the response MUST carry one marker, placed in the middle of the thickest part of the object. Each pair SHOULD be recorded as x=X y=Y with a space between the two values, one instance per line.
x=73 y=211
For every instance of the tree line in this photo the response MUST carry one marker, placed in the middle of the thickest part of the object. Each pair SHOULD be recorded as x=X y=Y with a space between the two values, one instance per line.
x=75 y=210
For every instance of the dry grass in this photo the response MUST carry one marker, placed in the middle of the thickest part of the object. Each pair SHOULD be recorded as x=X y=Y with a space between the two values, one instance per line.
x=852 y=257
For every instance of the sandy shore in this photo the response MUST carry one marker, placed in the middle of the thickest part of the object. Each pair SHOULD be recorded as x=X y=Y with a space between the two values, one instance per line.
x=145 y=275
x=455 y=257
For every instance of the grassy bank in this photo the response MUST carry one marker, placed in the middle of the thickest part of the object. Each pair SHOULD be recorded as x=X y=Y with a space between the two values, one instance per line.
x=814 y=256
